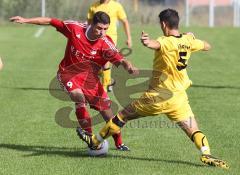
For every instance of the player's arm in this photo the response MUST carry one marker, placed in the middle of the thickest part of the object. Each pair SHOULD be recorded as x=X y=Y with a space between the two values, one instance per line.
x=58 y=24
x=147 y=42
x=206 y=45
x=127 y=31
x=37 y=20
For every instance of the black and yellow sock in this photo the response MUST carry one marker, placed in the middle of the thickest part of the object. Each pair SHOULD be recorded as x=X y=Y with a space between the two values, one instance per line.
x=201 y=142
x=112 y=127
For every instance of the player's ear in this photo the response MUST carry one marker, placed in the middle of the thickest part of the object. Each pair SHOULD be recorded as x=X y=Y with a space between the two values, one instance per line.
x=163 y=24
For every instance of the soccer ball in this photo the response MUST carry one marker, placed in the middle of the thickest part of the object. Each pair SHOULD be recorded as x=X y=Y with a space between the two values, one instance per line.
x=103 y=150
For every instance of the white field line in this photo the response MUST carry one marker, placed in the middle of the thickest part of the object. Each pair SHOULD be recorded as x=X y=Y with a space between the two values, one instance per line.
x=39 y=32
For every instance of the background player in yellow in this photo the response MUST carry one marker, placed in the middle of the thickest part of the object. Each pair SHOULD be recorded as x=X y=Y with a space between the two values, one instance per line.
x=116 y=12
x=167 y=89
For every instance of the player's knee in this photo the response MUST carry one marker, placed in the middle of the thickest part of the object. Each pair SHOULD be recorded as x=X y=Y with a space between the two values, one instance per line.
x=79 y=106
x=77 y=96
x=129 y=113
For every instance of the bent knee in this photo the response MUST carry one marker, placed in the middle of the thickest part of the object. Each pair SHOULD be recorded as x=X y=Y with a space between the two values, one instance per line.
x=129 y=113
x=77 y=96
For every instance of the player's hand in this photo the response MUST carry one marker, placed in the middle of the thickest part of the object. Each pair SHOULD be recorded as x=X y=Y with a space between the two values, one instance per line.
x=145 y=39
x=129 y=43
x=129 y=67
x=18 y=19
x=133 y=71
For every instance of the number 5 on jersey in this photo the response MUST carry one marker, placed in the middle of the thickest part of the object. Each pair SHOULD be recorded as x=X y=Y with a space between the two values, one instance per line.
x=182 y=61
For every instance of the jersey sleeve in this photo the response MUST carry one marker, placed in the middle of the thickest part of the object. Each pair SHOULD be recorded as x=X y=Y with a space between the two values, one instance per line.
x=161 y=42
x=197 y=45
x=121 y=14
x=110 y=52
x=60 y=27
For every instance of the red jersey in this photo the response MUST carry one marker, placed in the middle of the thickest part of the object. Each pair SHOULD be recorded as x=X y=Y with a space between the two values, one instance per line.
x=83 y=55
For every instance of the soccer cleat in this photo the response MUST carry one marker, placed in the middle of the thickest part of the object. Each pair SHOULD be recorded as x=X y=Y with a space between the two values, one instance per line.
x=110 y=86
x=123 y=147
x=86 y=137
x=212 y=161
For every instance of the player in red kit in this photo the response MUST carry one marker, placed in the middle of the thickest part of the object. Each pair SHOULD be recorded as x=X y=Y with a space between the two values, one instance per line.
x=88 y=50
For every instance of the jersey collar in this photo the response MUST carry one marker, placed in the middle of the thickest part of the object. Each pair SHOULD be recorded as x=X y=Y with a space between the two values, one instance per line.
x=86 y=32
x=179 y=36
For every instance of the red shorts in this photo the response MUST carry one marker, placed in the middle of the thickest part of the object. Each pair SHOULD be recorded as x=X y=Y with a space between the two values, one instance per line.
x=91 y=87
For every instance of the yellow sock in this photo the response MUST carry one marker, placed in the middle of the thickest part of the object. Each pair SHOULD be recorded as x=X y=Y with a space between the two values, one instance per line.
x=112 y=127
x=201 y=142
x=106 y=78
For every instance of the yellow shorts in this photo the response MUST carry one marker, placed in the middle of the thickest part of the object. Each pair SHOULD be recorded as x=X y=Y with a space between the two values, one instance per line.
x=174 y=105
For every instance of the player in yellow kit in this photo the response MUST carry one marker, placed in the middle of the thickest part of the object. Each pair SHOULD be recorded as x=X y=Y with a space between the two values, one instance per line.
x=116 y=13
x=167 y=89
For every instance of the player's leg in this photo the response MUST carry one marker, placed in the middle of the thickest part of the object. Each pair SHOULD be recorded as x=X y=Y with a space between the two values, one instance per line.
x=103 y=107
x=113 y=126
x=99 y=100
x=107 y=115
x=70 y=85
x=81 y=112
x=180 y=112
x=144 y=106
x=190 y=127
x=117 y=122
x=83 y=117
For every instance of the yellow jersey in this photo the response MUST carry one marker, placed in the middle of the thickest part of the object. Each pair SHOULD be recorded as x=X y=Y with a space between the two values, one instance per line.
x=170 y=62
x=115 y=12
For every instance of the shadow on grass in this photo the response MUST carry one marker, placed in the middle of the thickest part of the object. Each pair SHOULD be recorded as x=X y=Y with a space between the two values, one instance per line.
x=81 y=152
x=35 y=150
x=47 y=89
x=31 y=89
x=214 y=87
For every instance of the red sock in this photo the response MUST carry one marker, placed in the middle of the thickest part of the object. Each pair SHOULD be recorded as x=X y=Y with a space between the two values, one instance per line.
x=84 y=118
x=117 y=139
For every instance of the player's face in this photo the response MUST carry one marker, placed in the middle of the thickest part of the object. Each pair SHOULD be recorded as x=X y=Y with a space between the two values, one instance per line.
x=99 y=30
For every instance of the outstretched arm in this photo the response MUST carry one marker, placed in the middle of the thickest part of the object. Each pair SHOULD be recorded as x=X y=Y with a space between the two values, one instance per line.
x=206 y=46
x=37 y=20
x=147 y=42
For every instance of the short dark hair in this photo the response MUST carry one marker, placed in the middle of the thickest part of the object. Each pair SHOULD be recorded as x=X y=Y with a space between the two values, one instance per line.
x=101 y=17
x=169 y=16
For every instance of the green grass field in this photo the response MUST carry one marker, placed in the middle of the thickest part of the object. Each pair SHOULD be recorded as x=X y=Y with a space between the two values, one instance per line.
x=31 y=142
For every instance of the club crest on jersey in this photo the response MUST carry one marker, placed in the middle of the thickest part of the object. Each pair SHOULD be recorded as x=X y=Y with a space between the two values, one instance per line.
x=78 y=36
